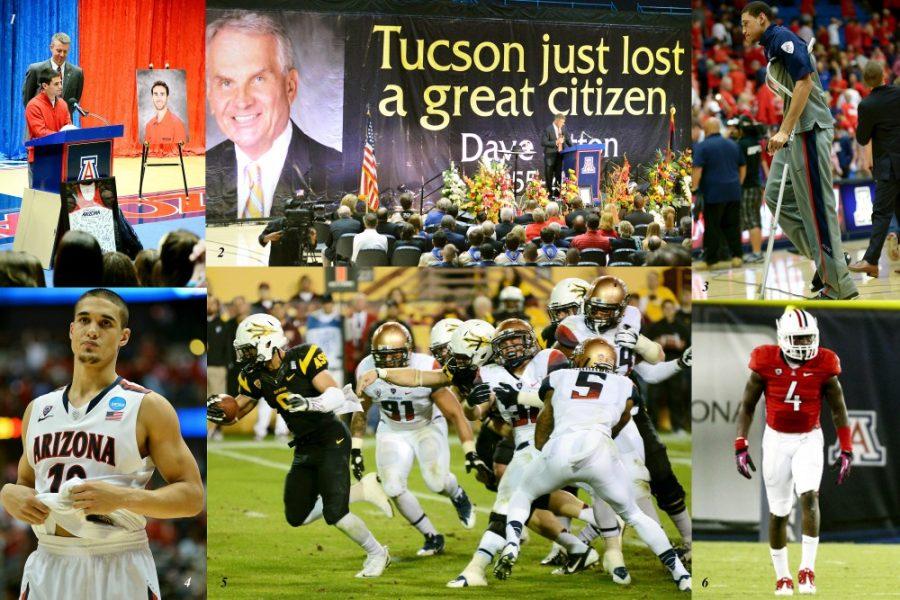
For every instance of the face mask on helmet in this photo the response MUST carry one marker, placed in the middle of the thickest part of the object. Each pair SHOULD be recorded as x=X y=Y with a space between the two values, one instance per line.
x=513 y=347
x=798 y=335
x=558 y=313
x=391 y=358
x=600 y=316
x=246 y=353
x=441 y=353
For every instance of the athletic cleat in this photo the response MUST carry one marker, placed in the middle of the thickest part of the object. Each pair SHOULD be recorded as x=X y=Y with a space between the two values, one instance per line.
x=684 y=553
x=784 y=587
x=556 y=557
x=464 y=510
x=434 y=544
x=507 y=560
x=375 y=564
x=614 y=564
x=373 y=493
x=468 y=579
x=684 y=583
x=579 y=562
x=806 y=581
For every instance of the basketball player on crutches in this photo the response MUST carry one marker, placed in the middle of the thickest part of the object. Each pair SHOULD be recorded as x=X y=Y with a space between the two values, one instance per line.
x=799 y=189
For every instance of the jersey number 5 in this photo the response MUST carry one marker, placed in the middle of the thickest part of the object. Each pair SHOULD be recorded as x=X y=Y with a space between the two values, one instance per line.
x=393 y=409
x=795 y=400
x=592 y=381
x=56 y=472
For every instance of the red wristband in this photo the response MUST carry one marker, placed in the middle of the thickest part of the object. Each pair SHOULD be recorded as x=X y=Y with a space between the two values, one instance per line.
x=844 y=439
x=740 y=444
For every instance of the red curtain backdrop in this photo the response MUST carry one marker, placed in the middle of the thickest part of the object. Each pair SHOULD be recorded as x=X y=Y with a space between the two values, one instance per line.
x=116 y=38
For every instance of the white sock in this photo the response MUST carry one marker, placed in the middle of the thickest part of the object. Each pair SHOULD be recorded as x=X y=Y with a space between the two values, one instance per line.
x=682 y=522
x=646 y=506
x=780 y=562
x=566 y=522
x=589 y=534
x=355 y=529
x=451 y=487
x=571 y=543
x=409 y=507
x=808 y=556
x=356 y=492
x=605 y=518
x=587 y=515
x=315 y=513
x=488 y=547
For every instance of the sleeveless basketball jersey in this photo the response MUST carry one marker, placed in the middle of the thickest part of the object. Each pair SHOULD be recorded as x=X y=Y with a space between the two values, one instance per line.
x=573 y=330
x=523 y=418
x=586 y=399
x=401 y=407
x=95 y=440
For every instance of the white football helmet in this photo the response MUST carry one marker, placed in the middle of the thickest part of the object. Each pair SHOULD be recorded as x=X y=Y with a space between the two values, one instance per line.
x=470 y=345
x=567 y=295
x=798 y=334
x=512 y=299
x=257 y=337
x=440 y=339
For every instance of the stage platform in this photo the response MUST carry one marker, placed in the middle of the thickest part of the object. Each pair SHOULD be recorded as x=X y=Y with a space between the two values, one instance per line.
x=790 y=276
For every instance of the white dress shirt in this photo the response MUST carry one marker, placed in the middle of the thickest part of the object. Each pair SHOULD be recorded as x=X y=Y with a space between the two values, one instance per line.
x=369 y=239
x=271 y=164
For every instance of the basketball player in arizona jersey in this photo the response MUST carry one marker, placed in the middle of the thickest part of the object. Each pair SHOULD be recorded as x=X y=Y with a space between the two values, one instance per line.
x=794 y=376
x=411 y=428
x=584 y=407
x=90 y=449
x=296 y=382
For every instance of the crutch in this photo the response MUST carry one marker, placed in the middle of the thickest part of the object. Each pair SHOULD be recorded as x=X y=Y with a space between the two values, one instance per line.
x=771 y=243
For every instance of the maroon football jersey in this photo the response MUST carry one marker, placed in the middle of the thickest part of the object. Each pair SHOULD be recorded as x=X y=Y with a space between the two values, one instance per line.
x=793 y=395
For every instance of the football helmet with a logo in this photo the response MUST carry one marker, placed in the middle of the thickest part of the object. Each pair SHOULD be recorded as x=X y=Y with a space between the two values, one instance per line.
x=595 y=354
x=798 y=334
x=257 y=338
x=513 y=343
x=470 y=345
x=512 y=300
x=604 y=303
x=567 y=298
x=440 y=339
x=391 y=345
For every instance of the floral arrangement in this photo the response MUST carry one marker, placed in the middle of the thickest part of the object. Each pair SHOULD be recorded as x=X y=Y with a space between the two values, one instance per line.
x=669 y=180
x=569 y=187
x=490 y=189
x=454 y=188
x=536 y=190
x=618 y=188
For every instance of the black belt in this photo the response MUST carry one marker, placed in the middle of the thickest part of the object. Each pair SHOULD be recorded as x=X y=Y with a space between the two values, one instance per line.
x=522 y=445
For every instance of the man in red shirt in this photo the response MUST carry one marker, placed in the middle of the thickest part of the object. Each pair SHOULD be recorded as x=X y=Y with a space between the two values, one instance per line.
x=46 y=113
x=593 y=238
x=795 y=376
x=164 y=127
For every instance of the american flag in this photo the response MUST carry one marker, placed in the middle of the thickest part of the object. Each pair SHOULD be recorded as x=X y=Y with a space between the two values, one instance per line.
x=368 y=178
x=114 y=415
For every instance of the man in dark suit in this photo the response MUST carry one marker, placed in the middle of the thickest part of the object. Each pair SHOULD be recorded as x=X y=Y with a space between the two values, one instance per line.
x=266 y=158
x=72 y=75
x=879 y=121
x=384 y=227
x=556 y=137
x=448 y=226
x=506 y=224
x=345 y=223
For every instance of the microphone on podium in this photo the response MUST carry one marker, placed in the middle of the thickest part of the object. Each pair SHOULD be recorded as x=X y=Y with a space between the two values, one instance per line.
x=74 y=104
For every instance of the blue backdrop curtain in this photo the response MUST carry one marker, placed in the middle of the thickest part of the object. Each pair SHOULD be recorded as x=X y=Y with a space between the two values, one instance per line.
x=28 y=26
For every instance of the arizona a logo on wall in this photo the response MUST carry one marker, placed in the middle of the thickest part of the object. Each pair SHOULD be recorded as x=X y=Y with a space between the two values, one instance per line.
x=88 y=168
x=867 y=450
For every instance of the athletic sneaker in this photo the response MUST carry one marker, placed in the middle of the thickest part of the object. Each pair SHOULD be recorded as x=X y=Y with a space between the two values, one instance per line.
x=784 y=587
x=806 y=581
x=556 y=557
x=579 y=562
x=754 y=257
x=464 y=509
x=614 y=564
x=507 y=560
x=375 y=564
x=434 y=544
x=468 y=579
x=684 y=583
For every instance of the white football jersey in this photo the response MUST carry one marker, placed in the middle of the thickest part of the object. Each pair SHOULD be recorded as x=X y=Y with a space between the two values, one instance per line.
x=401 y=407
x=92 y=441
x=523 y=418
x=573 y=330
x=586 y=399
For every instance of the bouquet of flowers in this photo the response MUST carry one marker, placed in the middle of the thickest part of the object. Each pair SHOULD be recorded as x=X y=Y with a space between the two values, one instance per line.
x=536 y=190
x=454 y=188
x=669 y=181
x=490 y=189
x=619 y=188
x=569 y=187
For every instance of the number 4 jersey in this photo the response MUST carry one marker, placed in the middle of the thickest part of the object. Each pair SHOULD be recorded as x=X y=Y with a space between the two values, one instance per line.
x=793 y=394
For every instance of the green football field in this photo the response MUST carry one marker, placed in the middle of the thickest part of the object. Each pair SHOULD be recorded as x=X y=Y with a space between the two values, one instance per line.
x=254 y=553
x=843 y=571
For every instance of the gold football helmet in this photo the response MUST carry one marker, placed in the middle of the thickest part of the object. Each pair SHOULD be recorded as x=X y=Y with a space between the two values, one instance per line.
x=513 y=343
x=391 y=345
x=595 y=354
x=605 y=303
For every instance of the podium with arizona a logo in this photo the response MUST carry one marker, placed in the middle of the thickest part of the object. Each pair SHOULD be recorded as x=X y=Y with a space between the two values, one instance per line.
x=586 y=161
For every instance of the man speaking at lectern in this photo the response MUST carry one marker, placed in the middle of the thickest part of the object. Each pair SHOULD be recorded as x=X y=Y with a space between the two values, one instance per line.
x=556 y=137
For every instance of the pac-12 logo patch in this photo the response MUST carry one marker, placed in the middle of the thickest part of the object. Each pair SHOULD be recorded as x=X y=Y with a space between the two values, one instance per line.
x=88 y=169
x=867 y=449
x=117 y=403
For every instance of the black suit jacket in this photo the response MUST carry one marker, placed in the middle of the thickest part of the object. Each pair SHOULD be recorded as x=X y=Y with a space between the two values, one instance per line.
x=309 y=166
x=73 y=82
x=548 y=141
x=502 y=229
x=879 y=121
x=286 y=251
x=570 y=218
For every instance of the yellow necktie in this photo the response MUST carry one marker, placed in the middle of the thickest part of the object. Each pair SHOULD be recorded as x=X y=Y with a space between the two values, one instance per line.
x=253 y=208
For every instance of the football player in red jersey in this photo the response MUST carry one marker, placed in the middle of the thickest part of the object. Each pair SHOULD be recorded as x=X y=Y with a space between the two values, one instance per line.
x=794 y=375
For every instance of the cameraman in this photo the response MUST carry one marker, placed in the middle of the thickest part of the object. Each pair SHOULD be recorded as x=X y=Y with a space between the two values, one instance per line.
x=747 y=134
x=285 y=249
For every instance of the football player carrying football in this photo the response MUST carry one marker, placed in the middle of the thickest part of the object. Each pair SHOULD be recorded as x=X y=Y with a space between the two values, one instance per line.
x=410 y=429
x=794 y=376
x=297 y=384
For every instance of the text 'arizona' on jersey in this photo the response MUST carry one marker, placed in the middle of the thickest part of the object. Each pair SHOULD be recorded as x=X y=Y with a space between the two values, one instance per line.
x=401 y=407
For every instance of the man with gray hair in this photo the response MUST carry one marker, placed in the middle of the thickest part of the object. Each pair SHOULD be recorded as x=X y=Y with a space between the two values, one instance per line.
x=507 y=222
x=72 y=75
x=555 y=138
x=251 y=83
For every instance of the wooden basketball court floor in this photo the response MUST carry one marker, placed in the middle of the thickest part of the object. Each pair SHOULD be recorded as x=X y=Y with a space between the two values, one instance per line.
x=235 y=246
x=790 y=276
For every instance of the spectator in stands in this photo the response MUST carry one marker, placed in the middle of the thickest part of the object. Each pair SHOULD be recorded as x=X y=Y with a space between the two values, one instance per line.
x=438 y=241
x=669 y=402
x=384 y=227
x=434 y=216
x=669 y=229
x=144 y=264
x=79 y=261
x=653 y=295
x=593 y=238
x=422 y=238
x=638 y=216
x=351 y=201
x=512 y=255
x=20 y=269
x=530 y=254
x=549 y=253
x=533 y=230
x=305 y=292
x=118 y=271
x=490 y=235
x=607 y=224
x=624 y=239
x=488 y=253
x=369 y=239
x=482 y=308
x=553 y=215
x=448 y=226
x=406 y=211
x=576 y=209
x=579 y=226
x=573 y=257
x=653 y=231
x=669 y=255
x=527 y=217
x=264 y=300
x=406 y=238
x=507 y=214
x=344 y=224
x=449 y=257
x=472 y=256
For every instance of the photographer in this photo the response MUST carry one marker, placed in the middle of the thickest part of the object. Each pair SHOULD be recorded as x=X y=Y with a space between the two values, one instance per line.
x=284 y=251
x=747 y=134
